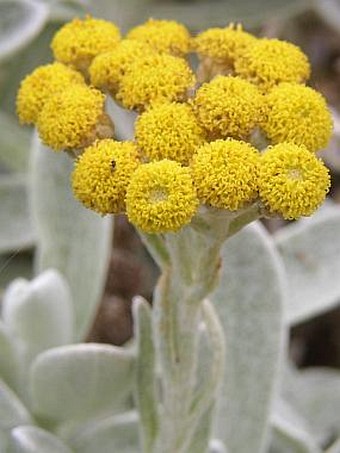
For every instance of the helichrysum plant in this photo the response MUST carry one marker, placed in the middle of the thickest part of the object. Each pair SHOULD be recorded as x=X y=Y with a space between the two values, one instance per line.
x=214 y=148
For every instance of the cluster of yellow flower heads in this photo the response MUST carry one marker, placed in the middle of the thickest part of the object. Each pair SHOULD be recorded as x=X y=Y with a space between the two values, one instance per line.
x=197 y=134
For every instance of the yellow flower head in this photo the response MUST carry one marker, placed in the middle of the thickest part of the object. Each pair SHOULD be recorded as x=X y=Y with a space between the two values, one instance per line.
x=293 y=182
x=163 y=36
x=268 y=62
x=79 y=41
x=298 y=114
x=40 y=85
x=107 y=69
x=154 y=78
x=225 y=173
x=161 y=197
x=168 y=131
x=228 y=107
x=69 y=119
x=102 y=174
x=223 y=44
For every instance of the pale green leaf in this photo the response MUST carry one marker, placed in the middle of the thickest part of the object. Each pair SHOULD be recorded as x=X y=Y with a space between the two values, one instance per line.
x=14 y=144
x=12 y=411
x=310 y=251
x=31 y=439
x=114 y=434
x=39 y=313
x=289 y=433
x=72 y=239
x=197 y=14
x=315 y=395
x=145 y=373
x=249 y=301
x=334 y=448
x=20 y=22
x=81 y=381
x=16 y=230
x=8 y=357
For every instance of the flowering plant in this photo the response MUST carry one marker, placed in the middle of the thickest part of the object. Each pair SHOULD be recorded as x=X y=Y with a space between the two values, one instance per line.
x=213 y=150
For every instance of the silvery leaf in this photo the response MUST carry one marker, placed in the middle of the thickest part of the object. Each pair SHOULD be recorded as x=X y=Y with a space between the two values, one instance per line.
x=8 y=357
x=310 y=251
x=20 y=22
x=80 y=381
x=14 y=144
x=117 y=434
x=72 y=239
x=31 y=439
x=12 y=411
x=249 y=301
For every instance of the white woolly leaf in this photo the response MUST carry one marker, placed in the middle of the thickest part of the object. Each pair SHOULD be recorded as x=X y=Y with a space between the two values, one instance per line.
x=72 y=239
x=8 y=357
x=31 y=439
x=310 y=251
x=12 y=411
x=249 y=301
x=20 y=22
x=117 y=434
x=81 y=381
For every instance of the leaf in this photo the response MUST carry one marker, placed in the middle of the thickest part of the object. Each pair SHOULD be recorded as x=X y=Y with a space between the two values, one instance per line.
x=145 y=373
x=315 y=394
x=39 y=313
x=14 y=144
x=335 y=448
x=16 y=230
x=310 y=251
x=72 y=239
x=12 y=411
x=250 y=312
x=8 y=357
x=117 y=434
x=196 y=14
x=80 y=381
x=20 y=22
x=31 y=439
x=289 y=433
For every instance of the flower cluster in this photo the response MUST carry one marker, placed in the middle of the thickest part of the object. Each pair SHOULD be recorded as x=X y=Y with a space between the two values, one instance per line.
x=242 y=129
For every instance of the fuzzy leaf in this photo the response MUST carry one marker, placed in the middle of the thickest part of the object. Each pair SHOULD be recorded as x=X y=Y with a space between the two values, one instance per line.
x=30 y=439
x=145 y=372
x=20 y=22
x=8 y=357
x=289 y=433
x=39 y=313
x=72 y=239
x=315 y=394
x=14 y=143
x=310 y=251
x=12 y=412
x=196 y=14
x=81 y=381
x=16 y=230
x=117 y=434
x=250 y=312
x=335 y=448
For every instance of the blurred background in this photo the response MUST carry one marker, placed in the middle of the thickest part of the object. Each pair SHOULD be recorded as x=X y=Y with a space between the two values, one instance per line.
x=26 y=28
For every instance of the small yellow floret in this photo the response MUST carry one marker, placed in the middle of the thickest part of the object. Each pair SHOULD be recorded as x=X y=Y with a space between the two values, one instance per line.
x=225 y=173
x=298 y=114
x=107 y=69
x=69 y=119
x=161 y=197
x=40 y=85
x=169 y=131
x=163 y=36
x=79 y=41
x=102 y=174
x=229 y=107
x=293 y=182
x=157 y=77
x=222 y=45
x=268 y=62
